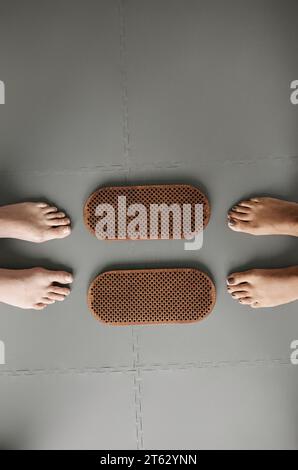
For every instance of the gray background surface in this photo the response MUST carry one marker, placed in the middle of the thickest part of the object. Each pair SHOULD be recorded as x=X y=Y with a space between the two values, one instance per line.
x=132 y=91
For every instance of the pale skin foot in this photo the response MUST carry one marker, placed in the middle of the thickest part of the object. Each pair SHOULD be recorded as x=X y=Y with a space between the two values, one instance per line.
x=264 y=216
x=260 y=288
x=33 y=221
x=33 y=288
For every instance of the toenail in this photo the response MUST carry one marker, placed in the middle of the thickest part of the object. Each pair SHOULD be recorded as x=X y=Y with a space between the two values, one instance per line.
x=69 y=278
x=66 y=230
x=231 y=222
x=230 y=280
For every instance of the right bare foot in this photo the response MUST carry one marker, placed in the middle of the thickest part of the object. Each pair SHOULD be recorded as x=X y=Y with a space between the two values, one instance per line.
x=264 y=216
x=33 y=221
x=261 y=288
x=33 y=288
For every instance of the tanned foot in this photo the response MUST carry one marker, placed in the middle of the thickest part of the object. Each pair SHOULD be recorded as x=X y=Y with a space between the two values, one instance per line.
x=33 y=288
x=33 y=221
x=264 y=216
x=264 y=287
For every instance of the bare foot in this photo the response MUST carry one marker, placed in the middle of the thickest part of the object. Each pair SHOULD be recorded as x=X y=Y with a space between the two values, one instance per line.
x=33 y=222
x=264 y=216
x=33 y=288
x=264 y=287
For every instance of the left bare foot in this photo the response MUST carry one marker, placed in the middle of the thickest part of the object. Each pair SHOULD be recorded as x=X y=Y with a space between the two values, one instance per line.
x=264 y=287
x=33 y=221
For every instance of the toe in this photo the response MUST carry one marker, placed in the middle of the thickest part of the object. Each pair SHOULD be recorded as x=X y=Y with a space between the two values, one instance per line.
x=58 y=222
x=54 y=297
x=39 y=306
x=58 y=232
x=50 y=209
x=243 y=286
x=246 y=300
x=55 y=215
x=236 y=215
x=255 y=305
x=250 y=203
x=42 y=205
x=238 y=225
x=64 y=291
x=238 y=278
x=242 y=209
x=47 y=301
x=61 y=277
x=239 y=294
